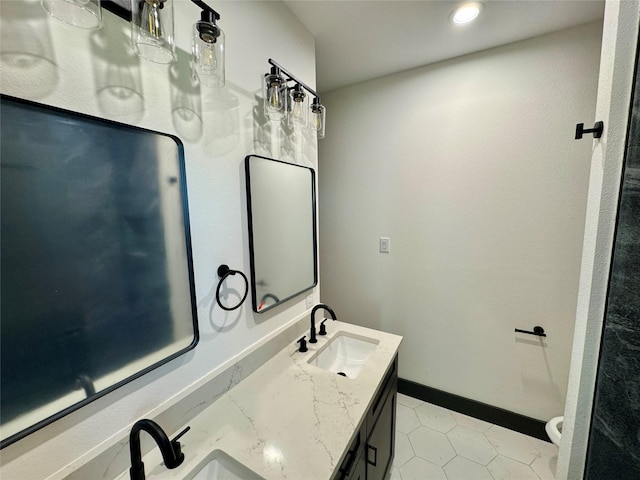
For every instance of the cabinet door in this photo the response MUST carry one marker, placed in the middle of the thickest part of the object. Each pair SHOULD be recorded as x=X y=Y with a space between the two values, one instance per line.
x=359 y=470
x=380 y=444
x=352 y=466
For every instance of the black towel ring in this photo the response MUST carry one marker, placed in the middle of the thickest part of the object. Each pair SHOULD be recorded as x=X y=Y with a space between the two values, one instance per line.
x=223 y=272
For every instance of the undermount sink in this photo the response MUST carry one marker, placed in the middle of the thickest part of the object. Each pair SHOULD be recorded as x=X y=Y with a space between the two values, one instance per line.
x=220 y=466
x=345 y=354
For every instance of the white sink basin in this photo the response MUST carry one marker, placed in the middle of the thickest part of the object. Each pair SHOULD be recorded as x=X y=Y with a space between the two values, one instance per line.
x=345 y=354
x=220 y=466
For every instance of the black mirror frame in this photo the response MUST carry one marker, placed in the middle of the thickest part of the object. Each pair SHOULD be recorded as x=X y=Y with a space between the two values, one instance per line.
x=189 y=257
x=254 y=299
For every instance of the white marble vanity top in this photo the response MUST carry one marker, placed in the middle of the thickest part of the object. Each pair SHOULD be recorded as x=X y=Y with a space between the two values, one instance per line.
x=288 y=419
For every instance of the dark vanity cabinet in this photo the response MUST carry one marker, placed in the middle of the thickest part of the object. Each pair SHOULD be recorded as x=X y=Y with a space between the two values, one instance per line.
x=353 y=466
x=381 y=438
x=371 y=452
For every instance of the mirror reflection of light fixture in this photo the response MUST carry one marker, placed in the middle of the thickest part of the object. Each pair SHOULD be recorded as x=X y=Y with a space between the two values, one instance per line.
x=152 y=30
x=207 y=60
x=318 y=117
x=279 y=99
x=79 y=13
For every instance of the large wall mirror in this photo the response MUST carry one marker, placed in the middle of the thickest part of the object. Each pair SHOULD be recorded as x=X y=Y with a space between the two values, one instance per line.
x=96 y=272
x=281 y=202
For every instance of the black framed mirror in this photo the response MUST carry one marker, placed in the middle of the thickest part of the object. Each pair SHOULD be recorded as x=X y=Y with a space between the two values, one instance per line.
x=281 y=205
x=96 y=273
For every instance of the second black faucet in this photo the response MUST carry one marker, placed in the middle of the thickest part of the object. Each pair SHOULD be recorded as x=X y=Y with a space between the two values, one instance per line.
x=170 y=449
x=312 y=333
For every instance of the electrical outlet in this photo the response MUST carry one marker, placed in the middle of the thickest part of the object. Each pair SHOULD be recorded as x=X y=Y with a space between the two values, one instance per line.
x=385 y=245
x=309 y=300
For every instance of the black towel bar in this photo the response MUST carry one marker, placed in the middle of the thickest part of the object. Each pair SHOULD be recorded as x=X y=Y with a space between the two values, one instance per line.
x=537 y=330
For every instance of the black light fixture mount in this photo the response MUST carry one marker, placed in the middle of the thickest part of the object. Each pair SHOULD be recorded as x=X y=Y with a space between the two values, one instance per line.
x=209 y=31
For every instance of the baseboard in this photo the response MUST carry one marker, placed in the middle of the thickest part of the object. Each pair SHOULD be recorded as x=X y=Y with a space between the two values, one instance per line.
x=488 y=413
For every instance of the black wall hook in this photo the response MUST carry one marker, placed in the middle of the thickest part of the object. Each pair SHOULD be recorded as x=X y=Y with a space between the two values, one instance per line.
x=597 y=130
x=223 y=272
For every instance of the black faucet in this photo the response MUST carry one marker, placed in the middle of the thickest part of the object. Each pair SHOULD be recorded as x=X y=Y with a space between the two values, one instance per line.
x=170 y=449
x=312 y=335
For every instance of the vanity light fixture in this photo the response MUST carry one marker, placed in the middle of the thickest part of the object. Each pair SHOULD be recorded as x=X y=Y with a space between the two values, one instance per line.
x=279 y=100
x=466 y=13
x=79 y=13
x=275 y=94
x=208 y=48
x=152 y=30
x=318 y=117
x=297 y=107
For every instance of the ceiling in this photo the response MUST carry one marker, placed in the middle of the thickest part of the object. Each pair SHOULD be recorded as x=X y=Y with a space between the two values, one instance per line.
x=358 y=40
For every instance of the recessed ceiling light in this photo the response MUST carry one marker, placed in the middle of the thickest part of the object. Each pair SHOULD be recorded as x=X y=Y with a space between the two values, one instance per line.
x=466 y=13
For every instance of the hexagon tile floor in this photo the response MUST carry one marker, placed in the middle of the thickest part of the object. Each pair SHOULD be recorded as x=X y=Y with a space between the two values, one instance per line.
x=433 y=443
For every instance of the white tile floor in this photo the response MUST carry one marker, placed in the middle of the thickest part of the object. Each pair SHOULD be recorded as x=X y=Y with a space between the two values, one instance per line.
x=435 y=443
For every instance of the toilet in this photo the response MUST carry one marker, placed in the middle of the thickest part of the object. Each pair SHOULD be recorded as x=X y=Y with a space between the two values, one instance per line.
x=554 y=429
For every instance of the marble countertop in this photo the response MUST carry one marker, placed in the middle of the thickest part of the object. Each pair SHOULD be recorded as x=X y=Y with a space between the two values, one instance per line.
x=287 y=420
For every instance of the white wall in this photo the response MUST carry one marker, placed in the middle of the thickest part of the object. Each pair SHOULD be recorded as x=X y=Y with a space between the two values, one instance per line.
x=470 y=167
x=74 y=65
x=618 y=60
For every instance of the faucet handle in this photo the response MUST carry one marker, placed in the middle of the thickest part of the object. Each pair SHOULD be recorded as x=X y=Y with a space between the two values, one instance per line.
x=323 y=328
x=177 y=437
x=177 y=450
x=303 y=344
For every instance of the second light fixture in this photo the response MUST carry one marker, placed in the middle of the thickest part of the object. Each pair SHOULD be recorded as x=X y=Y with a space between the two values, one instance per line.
x=291 y=103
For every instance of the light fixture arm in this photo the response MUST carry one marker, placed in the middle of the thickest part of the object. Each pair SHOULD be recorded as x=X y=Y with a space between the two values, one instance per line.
x=291 y=77
x=125 y=13
x=206 y=8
